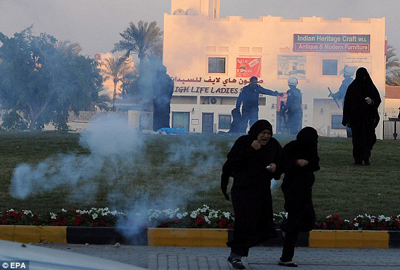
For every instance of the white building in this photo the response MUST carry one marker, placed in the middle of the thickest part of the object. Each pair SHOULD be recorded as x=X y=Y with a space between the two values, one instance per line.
x=212 y=58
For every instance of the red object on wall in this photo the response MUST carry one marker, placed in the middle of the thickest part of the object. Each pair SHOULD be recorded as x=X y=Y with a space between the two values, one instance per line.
x=248 y=67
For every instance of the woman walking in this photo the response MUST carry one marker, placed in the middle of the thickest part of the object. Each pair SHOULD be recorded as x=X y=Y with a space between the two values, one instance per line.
x=299 y=162
x=360 y=112
x=252 y=163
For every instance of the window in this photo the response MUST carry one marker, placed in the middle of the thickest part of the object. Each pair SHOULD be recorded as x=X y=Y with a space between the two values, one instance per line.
x=337 y=122
x=329 y=67
x=224 y=122
x=216 y=64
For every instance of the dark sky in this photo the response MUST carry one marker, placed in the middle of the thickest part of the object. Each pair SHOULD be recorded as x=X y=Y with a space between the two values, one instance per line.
x=96 y=24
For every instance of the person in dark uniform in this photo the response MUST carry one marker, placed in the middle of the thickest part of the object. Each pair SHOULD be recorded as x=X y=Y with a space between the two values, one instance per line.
x=237 y=125
x=252 y=162
x=163 y=88
x=360 y=112
x=249 y=97
x=299 y=162
x=348 y=72
x=293 y=107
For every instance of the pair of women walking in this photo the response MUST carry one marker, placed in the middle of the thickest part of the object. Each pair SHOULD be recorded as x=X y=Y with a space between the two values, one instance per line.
x=254 y=160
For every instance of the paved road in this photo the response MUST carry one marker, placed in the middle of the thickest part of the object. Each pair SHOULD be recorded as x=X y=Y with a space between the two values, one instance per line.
x=174 y=258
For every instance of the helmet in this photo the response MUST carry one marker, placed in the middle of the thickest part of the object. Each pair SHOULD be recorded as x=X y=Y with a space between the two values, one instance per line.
x=348 y=71
x=293 y=81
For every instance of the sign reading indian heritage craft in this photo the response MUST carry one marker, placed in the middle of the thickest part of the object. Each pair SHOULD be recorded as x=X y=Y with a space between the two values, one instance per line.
x=331 y=43
x=248 y=67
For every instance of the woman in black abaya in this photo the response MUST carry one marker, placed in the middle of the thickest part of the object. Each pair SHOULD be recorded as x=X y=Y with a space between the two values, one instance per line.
x=252 y=164
x=360 y=112
x=299 y=162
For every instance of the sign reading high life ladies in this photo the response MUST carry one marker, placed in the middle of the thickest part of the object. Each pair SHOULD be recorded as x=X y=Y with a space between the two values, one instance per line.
x=331 y=43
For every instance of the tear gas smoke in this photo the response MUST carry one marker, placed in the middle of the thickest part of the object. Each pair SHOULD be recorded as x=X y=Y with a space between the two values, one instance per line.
x=111 y=142
x=116 y=153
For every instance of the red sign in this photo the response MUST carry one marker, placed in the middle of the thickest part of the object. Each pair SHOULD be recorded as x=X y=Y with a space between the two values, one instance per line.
x=248 y=67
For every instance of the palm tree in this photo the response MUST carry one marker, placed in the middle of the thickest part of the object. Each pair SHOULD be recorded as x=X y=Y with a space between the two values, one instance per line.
x=115 y=69
x=68 y=48
x=392 y=67
x=143 y=40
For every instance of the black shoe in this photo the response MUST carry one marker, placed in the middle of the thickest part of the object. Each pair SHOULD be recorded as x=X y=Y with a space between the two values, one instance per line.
x=287 y=264
x=366 y=162
x=236 y=263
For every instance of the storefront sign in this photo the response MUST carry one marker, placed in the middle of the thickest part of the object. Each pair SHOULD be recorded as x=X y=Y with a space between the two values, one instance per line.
x=206 y=90
x=291 y=66
x=248 y=67
x=216 y=80
x=331 y=43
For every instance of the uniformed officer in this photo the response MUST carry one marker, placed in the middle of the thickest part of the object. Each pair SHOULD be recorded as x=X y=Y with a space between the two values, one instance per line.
x=348 y=72
x=249 y=97
x=293 y=107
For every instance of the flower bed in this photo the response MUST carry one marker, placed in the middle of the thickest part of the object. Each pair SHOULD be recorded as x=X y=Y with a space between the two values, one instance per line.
x=174 y=218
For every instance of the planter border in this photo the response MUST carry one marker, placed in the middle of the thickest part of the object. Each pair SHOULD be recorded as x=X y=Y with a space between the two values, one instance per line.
x=192 y=237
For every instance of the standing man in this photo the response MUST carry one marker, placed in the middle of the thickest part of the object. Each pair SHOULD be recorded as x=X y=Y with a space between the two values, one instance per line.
x=163 y=88
x=249 y=97
x=348 y=73
x=293 y=107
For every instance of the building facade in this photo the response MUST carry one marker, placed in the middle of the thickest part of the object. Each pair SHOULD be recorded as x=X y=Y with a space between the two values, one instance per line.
x=212 y=58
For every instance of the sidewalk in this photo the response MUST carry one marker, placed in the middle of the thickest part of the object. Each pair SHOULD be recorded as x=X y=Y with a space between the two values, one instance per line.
x=178 y=258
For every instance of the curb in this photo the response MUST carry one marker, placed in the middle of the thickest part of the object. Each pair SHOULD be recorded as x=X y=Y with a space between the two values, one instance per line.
x=191 y=237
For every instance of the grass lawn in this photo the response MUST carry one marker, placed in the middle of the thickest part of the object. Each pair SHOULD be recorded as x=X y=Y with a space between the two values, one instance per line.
x=185 y=170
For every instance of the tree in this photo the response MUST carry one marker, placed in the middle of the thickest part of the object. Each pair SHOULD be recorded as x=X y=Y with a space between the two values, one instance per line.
x=115 y=69
x=392 y=67
x=42 y=79
x=143 y=40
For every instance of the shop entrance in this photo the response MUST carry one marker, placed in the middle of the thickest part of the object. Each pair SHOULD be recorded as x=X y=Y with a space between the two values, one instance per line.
x=208 y=123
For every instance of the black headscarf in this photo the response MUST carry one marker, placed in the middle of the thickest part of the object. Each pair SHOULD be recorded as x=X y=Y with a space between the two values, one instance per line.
x=258 y=127
x=360 y=75
x=307 y=137
x=355 y=108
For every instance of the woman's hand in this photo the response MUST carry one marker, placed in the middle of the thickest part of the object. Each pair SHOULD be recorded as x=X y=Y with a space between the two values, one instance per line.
x=302 y=162
x=256 y=145
x=271 y=167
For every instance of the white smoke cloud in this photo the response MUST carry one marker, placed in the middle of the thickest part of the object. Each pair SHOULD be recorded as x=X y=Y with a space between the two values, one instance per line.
x=116 y=154
x=111 y=142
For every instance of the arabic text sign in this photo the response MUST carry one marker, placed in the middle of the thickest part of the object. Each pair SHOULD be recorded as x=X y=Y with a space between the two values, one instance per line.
x=331 y=43
x=248 y=67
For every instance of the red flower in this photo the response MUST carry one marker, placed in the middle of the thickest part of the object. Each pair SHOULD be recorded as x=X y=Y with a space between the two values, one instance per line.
x=77 y=222
x=324 y=225
x=337 y=227
x=198 y=220
x=4 y=222
x=330 y=219
x=222 y=222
